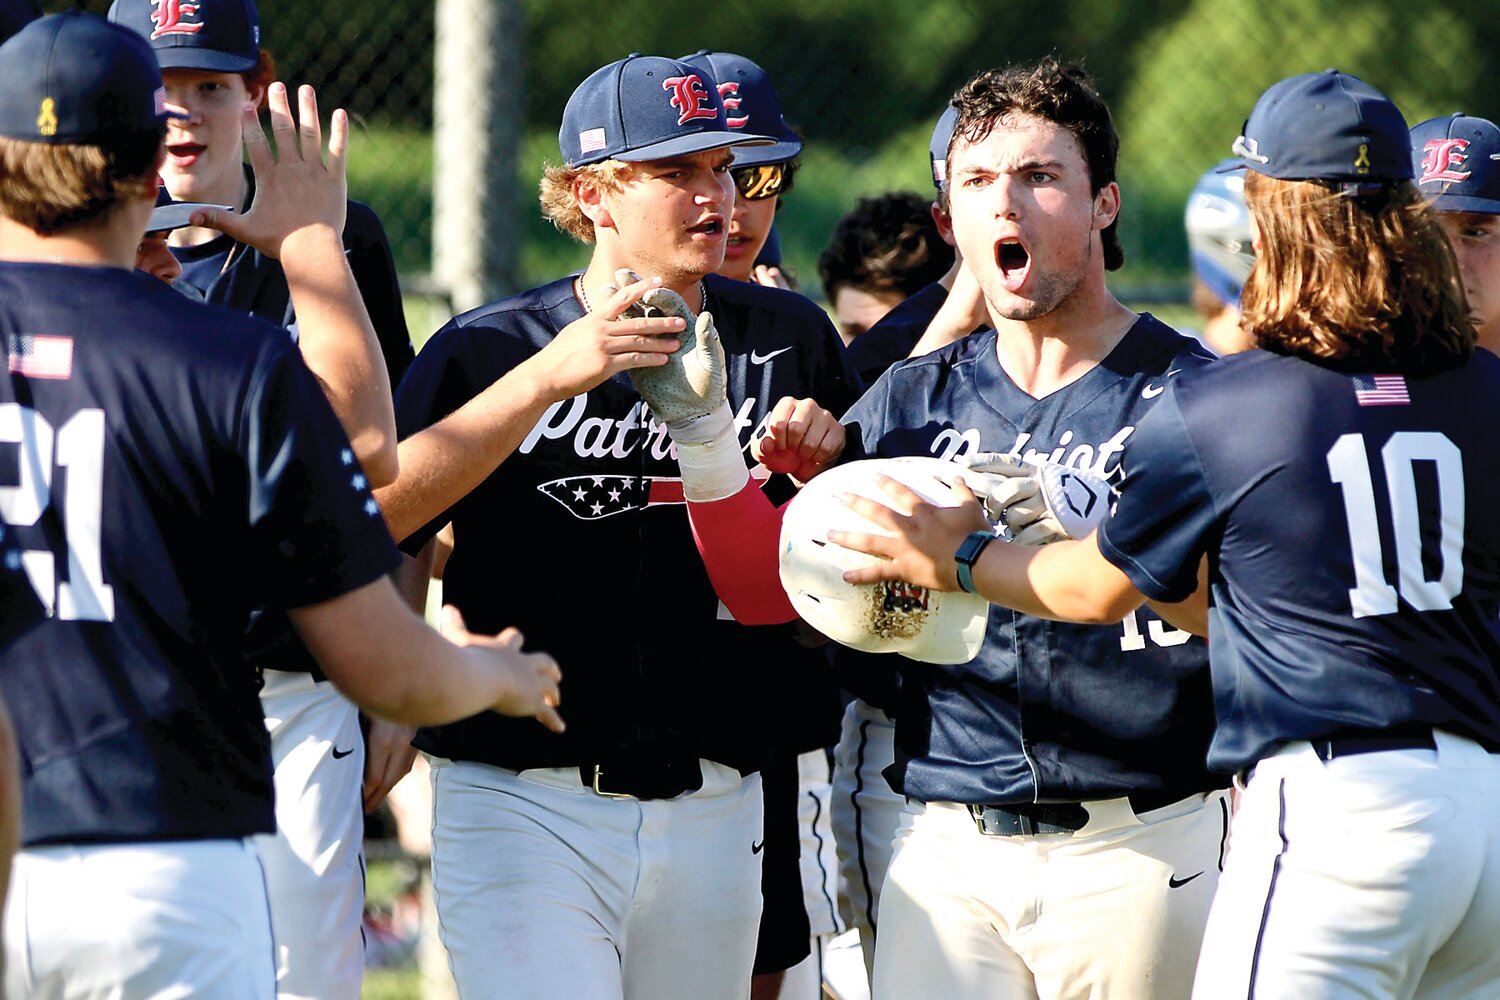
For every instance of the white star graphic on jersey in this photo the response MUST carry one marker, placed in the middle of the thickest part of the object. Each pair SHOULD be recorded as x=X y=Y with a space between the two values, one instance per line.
x=625 y=482
x=359 y=482
x=371 y=507
x=347 y=456
x=579 y=493
x=614 y=494
x=597 y=509
x=598 y=480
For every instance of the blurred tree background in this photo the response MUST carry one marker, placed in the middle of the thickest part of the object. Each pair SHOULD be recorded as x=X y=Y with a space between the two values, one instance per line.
x=865 y=79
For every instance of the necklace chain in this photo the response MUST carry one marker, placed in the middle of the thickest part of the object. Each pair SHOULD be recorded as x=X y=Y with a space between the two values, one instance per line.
x=583 y=296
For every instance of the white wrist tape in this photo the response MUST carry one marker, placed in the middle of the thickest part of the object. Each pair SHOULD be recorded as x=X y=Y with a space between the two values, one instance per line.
x=709 y=455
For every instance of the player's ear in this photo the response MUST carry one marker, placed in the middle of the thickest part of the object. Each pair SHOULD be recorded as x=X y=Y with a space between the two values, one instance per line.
x=1106 y=205
x=943 y=221
x=591 y=201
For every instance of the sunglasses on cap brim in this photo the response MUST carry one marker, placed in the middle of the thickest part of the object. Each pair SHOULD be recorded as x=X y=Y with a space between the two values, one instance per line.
x=766 y=180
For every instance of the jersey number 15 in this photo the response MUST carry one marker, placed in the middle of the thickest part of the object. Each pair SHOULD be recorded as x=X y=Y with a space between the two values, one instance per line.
x=83 y=596
x=1350 y=468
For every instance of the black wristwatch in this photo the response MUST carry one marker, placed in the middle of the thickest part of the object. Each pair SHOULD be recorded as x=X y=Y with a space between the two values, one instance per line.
x=968 y=553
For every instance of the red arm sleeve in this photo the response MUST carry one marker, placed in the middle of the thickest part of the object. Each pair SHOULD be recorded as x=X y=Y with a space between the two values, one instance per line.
x=738 y=538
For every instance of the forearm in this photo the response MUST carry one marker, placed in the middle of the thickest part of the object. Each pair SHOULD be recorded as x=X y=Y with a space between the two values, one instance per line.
x=1064 y=581
x=739 y=540
x=442 y=464
x=392 y=664
x=339 y=345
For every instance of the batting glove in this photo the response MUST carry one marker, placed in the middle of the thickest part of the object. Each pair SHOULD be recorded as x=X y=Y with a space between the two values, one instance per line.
x=692 y=383
x=689 y=395
x=1040 y=503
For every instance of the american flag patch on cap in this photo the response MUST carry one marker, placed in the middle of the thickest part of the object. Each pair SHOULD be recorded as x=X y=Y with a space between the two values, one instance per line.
x=161 y=100
x=939 y=171
x=37 y=356
x=1381 y=390
x=591 y=140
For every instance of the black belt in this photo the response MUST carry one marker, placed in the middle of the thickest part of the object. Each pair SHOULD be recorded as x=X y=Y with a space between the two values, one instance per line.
x=1056 y=817
x=1348 y=742
x=643 y=777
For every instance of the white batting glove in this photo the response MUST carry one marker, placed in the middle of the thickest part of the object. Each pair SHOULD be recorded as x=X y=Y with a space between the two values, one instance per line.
x=1038 y=503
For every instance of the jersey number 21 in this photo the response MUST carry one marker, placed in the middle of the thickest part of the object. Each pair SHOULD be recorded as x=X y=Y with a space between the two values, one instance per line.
x=79 y=448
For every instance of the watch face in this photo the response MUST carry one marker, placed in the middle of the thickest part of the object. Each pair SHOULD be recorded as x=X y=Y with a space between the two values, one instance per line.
x=972 y=546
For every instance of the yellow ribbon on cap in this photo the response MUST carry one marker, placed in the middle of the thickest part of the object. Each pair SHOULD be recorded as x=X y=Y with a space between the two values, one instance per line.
x=46 y=120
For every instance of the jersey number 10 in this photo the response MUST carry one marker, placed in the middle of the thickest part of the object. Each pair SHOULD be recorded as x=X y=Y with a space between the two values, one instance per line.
x=84 y=596
x=1350 y=468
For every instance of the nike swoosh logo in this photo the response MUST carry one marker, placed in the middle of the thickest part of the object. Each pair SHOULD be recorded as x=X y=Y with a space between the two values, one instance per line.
x=1176 y=883
x=341 y=754
x=755 y=848
x=757 y=358
x=1152 y=391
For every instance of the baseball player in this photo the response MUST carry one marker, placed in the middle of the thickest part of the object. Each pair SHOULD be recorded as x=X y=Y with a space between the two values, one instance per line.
x=1355 y=635
x=625 y=857
x=1457 y=162
x=799 y=888
x=177 y=466
x=762 y=174
x=1061 y=838
x=885 y=250
x=212 y=65
x=1218 y=232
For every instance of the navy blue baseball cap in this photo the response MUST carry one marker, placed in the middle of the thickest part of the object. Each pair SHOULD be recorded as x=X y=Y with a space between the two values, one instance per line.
x=750 y=105
x=937 y=147
x=1457 y=162
x=222 y=36
x=646 y=108
x=76 y=78
x=17 y=14
x=1326 y=126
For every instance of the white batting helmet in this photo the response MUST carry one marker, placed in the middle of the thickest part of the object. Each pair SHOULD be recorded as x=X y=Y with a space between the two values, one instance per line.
x=887 y=617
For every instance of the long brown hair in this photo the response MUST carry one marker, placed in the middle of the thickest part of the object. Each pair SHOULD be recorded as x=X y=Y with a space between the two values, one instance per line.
x=1358 y=281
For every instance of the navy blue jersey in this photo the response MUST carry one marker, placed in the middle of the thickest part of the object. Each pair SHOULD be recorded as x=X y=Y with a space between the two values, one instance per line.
x=20 y=610
x=166 y=466
x=1353 y=532
x=611 y=583
x=892 y=338
x=1048 y=711
x=241 y=278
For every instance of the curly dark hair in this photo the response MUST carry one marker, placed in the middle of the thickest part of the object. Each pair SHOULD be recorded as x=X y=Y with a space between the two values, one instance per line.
x=887 y=243
x=1054 y=92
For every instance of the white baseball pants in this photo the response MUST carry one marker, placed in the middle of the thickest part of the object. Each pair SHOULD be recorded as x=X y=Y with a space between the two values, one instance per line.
x=315 y=869
x=137 y=921
x=1115 y=910
x=545 y=889
x=1372 y=875
x=866 y=813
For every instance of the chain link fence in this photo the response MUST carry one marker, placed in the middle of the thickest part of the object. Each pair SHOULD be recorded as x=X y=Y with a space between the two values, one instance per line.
x=863 y=80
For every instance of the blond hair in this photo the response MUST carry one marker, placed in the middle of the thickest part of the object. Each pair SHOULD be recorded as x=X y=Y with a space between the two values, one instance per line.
x=1355 y=281
x=51 y=186
x=559 y=203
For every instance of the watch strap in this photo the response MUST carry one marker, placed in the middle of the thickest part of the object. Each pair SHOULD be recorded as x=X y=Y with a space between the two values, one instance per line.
x=968 y=552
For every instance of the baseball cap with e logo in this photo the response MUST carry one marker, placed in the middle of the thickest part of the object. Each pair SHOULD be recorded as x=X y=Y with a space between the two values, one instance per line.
x=221 y=36
x=75 y=78
x=645 y=108
x=1457 y=159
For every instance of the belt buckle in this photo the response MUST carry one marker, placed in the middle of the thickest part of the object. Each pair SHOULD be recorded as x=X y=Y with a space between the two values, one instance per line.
x=598 y=774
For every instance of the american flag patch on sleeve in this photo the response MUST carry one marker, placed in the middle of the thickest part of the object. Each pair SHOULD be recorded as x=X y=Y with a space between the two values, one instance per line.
x=591 y=140
x=39 y=356
x=1381 y=390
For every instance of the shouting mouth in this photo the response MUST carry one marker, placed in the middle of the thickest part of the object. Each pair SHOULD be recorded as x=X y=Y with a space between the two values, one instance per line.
x=1014 y=261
